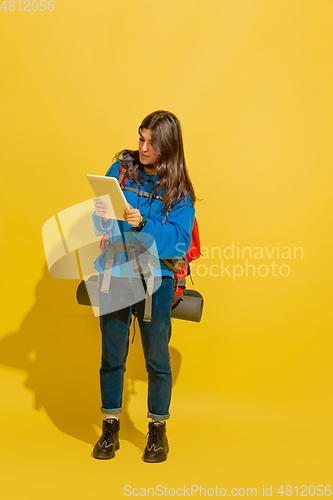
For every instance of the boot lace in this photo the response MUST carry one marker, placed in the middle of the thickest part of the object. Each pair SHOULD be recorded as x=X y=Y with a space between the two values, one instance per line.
x=108 y=432
x=153 y=438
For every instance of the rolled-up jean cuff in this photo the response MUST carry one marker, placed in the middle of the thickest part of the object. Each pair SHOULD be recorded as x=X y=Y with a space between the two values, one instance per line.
x=113 y=411
x=158 y=417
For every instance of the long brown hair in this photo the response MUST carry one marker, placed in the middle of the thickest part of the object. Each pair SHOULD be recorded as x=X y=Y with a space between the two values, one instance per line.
x=173 y=178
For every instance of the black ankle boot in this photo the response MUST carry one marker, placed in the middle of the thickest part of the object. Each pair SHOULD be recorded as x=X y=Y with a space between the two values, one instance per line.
x=108 y=443
x=157 y=446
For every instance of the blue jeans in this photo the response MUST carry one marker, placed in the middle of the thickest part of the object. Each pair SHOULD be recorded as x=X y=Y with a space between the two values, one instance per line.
x=155 y=337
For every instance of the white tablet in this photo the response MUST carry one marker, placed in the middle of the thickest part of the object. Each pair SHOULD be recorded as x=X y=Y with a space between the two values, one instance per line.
x=109 y=192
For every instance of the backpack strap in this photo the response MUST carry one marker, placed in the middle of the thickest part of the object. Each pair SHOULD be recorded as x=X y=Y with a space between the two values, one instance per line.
x=122 y=174
x=149 y=291
x=114 y=247
x=122 y=179
x=141 y=193
x=108 y=269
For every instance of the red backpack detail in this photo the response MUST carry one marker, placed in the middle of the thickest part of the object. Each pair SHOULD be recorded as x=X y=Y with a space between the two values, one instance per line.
x=192 y=253
x=124 y=177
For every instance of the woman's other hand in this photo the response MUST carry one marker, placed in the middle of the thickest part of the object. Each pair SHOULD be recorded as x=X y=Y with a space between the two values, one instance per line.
x=100 y=208
x=132 y=216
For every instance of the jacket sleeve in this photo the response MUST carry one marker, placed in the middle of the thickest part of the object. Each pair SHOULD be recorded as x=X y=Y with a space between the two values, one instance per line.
x=173 y=238
x=99 y=227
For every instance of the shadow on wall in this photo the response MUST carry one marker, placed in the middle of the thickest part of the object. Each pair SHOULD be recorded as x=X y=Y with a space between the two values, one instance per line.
x=59 y=346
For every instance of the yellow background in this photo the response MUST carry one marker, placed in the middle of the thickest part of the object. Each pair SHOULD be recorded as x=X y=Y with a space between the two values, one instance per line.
x=251 y=82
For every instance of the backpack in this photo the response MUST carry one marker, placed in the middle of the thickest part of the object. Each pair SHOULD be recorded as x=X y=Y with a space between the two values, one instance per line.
x=192 y=253
x=181 y=267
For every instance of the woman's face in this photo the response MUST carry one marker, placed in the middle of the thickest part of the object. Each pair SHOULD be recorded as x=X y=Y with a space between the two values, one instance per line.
x=147 y=154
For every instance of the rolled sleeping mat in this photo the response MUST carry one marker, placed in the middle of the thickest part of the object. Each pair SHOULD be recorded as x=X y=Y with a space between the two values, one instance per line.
x=86 y=293
x=189 y=307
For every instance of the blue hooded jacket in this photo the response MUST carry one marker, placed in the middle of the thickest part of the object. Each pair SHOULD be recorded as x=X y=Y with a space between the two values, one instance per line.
x=168 y=240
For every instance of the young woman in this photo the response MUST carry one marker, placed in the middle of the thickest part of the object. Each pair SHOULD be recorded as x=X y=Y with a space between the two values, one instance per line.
x=158 y=226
